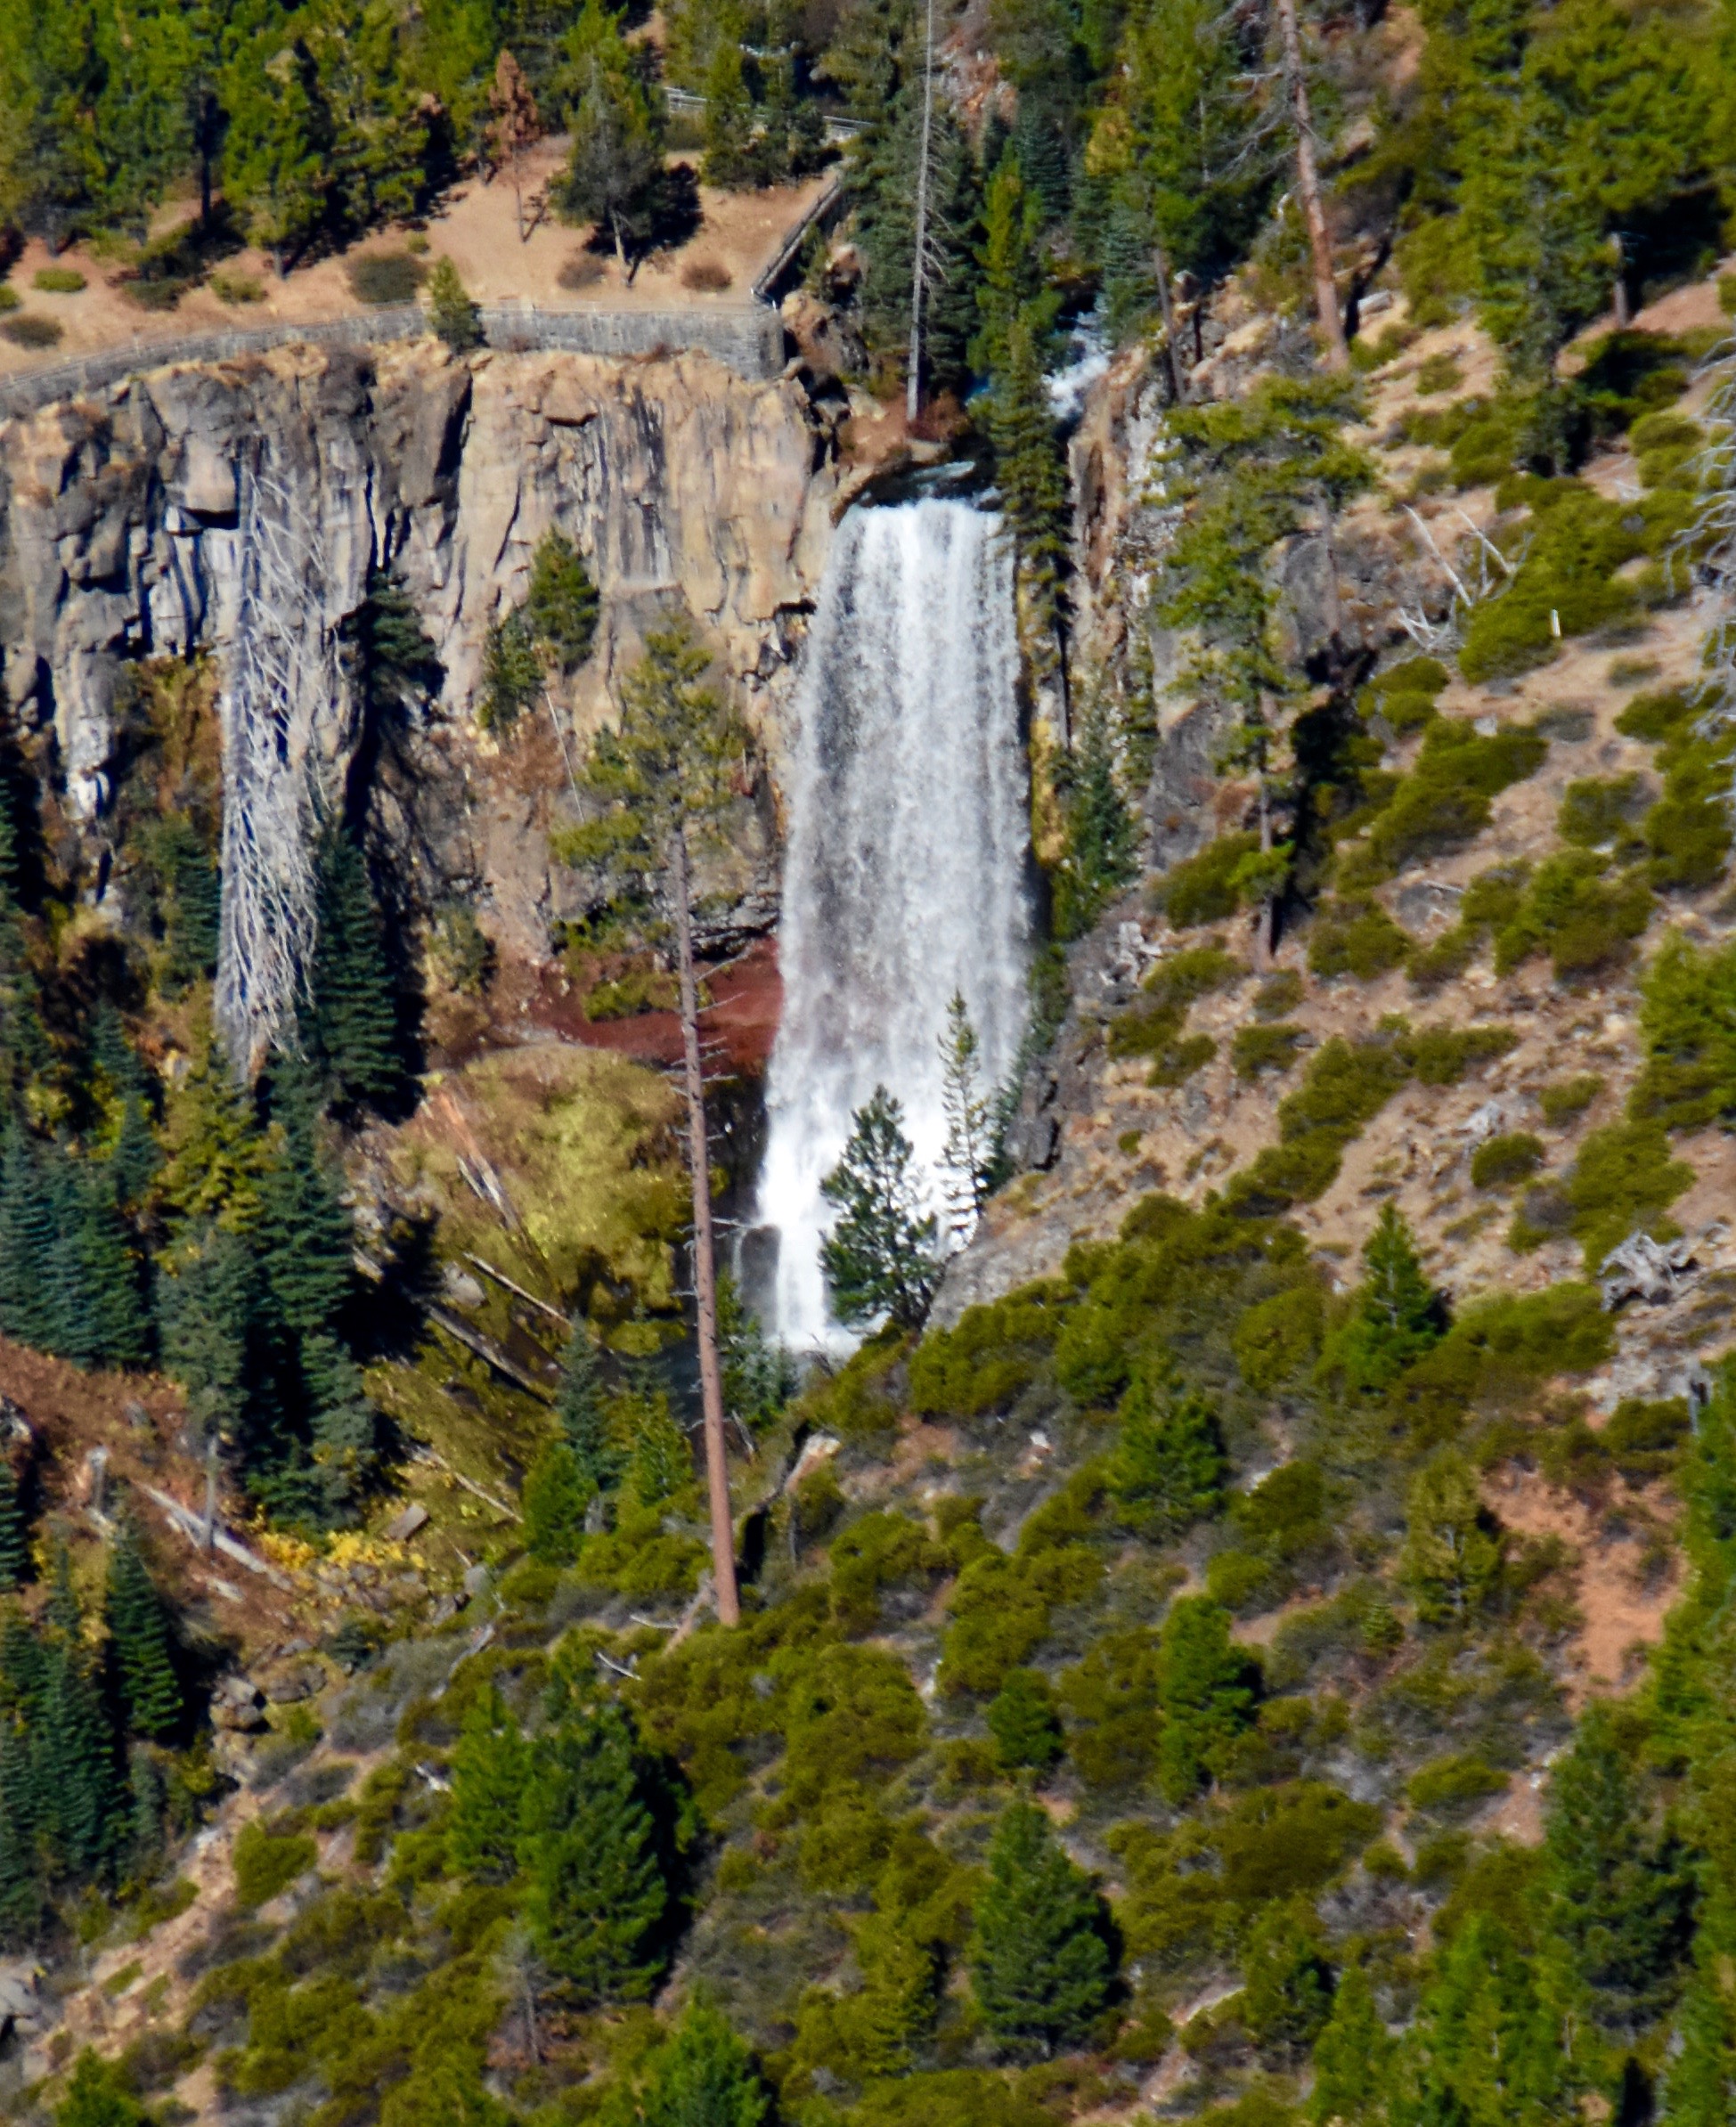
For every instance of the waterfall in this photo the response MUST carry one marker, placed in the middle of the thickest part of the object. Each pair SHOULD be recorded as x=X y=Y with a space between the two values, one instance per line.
x=905 y=873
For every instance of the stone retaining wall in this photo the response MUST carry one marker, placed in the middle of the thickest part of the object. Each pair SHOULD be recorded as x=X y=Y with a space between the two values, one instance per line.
x=749 y=340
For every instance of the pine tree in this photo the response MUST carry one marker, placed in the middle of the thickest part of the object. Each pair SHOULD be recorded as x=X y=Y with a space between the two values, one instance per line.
x=582 y=1408
x=880 y=1258
x=1287 y=1982
x=27 y=1240
x=1040 y=1961
x=1024 y=1724
x=136 y=1157
x=1451 y=1561
x=759 y=1376
x=663 y=782
x=554 y=1501
x=729 y=115
x=1395 y=1320
x=560 y=605
x=614 y=166
x=138 y=1632
x=352 y=1018
x=305 y=1237
x=1010 y=283
x=968 y=1154
x=206 y=1311
x=596 y=1900
x=1102 y=857
x=79 y=1785
x=511 y=673
x=1620 y=1896
x=1352 y=2057
x=1032 y=478
x=1207 y=1687
x=22 y=1896
x=703 y=2075
x=344 y=1429
x=451 y=316
x=491 y=1767
x=1169 y=1467
x=112 y=1327
x=661 y=1461
x=14 y=1531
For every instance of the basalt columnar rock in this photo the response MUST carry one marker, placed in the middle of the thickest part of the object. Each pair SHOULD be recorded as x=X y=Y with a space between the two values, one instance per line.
x=238 y=509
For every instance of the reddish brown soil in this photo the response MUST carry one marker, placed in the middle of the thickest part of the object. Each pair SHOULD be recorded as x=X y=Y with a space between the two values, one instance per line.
x=738 y=1027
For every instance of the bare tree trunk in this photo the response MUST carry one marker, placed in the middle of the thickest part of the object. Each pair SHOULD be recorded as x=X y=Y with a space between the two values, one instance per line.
x=1624 y=317
x=620 y=247
x=1307 y=184
x=705 y=1270
x=913 y=380
x=1167 y=303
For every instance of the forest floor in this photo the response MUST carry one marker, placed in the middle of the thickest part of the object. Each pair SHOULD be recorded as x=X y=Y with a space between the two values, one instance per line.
x=737 y=237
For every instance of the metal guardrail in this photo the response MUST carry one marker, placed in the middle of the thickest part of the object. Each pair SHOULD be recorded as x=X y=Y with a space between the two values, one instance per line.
x=748 y=339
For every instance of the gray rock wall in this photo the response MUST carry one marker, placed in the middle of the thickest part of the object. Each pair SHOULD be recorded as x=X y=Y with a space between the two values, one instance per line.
x=126 y=520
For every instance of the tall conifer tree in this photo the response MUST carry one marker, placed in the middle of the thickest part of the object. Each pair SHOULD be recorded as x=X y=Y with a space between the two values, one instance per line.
x=138 y=1632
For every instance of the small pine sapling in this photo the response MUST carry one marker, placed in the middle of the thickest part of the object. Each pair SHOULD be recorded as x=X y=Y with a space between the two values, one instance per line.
x=881 y=1257
x=967 y=1157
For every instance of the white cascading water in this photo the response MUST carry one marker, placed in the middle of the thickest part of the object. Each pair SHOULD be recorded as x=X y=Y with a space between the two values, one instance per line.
x=905 y=879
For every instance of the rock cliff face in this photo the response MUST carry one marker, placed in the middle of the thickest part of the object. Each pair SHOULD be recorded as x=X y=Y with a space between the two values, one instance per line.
x=160 y=519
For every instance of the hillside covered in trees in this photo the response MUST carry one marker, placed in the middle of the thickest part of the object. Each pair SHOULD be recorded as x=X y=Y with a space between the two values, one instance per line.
x=1248 y=1639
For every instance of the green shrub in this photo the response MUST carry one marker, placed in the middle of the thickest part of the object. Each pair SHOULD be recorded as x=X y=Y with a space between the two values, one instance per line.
x=1600 y=812
x=31 y=331
x=1441 y=1055
x=1169 y=1467
x=1655 y=718
x=1444 y=960
x=1111 y=1702
x=1688 y=831
x=1404 y=695
x=1663 y=445
x=10 y=298
x=1688 y=1021
x=1501 y=1161
x=1458 y=1781
x=1568 y=1098
x=1355 y=937
x=1444 y=802
x=381 y=277
x=237 y=288
x=1000 y=1616
x=1496 y=897
x=1204 y=889
x=1296 y=1838
x=1346 y=1086
x=1278 y=1339
x=1585 y=921
x=1439 y=373
x=1623 y=1179
x=1645 y=1440
x=1567 y=579
x=1482 y=438
x=266 y=1862
x=59 y=281
x=1498 y=1351
x=873 y=1555
x=1278 y=994
x=1024 y=1724
x=1185 y=977
x=989 y=1356
x=1262 y=1048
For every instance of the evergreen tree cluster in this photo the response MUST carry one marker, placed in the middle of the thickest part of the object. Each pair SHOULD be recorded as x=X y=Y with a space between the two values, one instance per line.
x=81 y=1798
x=577 y=1818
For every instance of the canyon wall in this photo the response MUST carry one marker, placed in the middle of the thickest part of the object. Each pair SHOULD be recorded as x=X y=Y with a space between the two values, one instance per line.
x=129 y=523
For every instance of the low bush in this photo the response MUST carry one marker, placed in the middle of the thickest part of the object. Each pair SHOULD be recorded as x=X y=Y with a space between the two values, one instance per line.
x=381 y=277
x=1569 y=1099
x=990 y=1356
x=1688 y=1021
x=10 y=298
x=59 y=281
x=1447 y=1786
x=1688 y=831
x=1204 y=889
x=1444 y=802
x=267 y=1863
x=1278 y=994
x=1601 y=813
x=1439 y=373
x=579 y=270
x=1645 y=1440
x=705 y=276
x=1355 y=937
x=1623 y=1179
x=28 y=329
x=1259 y=1049
x=1664 y=447
x=1585 y=919
x=1404 y=696
x=1501 y=1161
x=1482 y=438
x=237 y=288
x=1567 y=582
